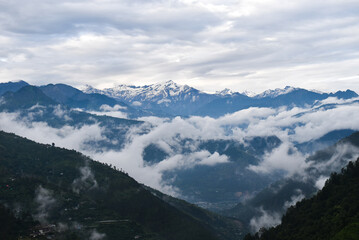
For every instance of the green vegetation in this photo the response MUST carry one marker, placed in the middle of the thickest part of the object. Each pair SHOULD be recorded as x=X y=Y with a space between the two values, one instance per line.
x=80 y=196
x=10 y=226
x=331 y=214
x=274 y=197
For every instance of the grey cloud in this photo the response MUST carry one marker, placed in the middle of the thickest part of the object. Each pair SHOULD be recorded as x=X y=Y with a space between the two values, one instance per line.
x=207 y=43
x=67 y=17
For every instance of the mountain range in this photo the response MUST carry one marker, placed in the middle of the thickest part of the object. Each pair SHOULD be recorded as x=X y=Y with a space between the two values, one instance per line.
x=61 y=105
x=173 y=99
x=169 y=99
x=207 y=161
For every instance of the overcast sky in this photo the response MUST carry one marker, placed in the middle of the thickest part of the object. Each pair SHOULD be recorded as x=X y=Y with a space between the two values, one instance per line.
x=209 y=44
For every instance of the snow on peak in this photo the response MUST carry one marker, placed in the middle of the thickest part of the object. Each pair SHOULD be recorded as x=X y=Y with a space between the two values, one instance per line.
x=169 y=92
x=249 y=93
x=89 y=89
x=153 y=92
x=276 y=92
x=225 y=92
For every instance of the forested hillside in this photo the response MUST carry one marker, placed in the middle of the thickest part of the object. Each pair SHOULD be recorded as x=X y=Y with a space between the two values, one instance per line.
x=49 y=186
x=331 y=214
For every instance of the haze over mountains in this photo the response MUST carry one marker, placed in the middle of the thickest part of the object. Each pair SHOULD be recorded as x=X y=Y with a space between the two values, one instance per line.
x=253 y=154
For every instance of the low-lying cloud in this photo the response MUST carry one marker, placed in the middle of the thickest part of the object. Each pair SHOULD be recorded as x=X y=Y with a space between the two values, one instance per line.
x=95 y=235
x=285 y=157
x=45 y=200
x=180 y=137
x=267 y=219
x=294 y=199
x=86 y=181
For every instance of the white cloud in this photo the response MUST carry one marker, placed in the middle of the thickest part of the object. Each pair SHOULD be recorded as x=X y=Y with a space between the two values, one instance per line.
x=266 y=220
x=45 y=200
x=180 y=138
x=340 y=156
x=285 y=157
x=117 y=114
x=114 y=111
x=67 y=136
x=331 y=100
x=136 y=103
x=321 y=182
x=108 y=108
x=96 y=235
x=85 y=181
x=180 y=161
x=61 y=113
x=294 y=199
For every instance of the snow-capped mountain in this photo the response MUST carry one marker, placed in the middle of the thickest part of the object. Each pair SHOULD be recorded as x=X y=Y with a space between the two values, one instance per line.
x=276 y=92
x=164 y=92
x=249 y=93
x=225 y=92
x=171 y=99
x=166 y=98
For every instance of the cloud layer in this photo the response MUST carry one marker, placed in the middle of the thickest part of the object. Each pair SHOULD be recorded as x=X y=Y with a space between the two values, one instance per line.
x=243 y=45
x=179 y=138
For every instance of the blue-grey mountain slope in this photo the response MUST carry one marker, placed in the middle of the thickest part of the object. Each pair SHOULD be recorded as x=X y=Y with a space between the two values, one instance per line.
x=74 y=98
x=295 y=98
x=172 y=99
x=11 y=86
x=32 y=106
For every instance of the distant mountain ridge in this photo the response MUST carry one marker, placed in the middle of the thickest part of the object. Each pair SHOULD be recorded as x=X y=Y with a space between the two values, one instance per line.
x=276 y=92
x=168 y=99
x=63 y=94
x=175 y=99
x=73 y=97
x=26 y=97
x=12 y=86
x=289 y=97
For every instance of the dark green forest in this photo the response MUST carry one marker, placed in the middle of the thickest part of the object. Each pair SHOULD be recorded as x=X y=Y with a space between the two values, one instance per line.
x=332 y=214
x=43 y=185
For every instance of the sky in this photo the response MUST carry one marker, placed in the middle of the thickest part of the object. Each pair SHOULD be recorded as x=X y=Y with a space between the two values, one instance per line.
x=243 y=45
